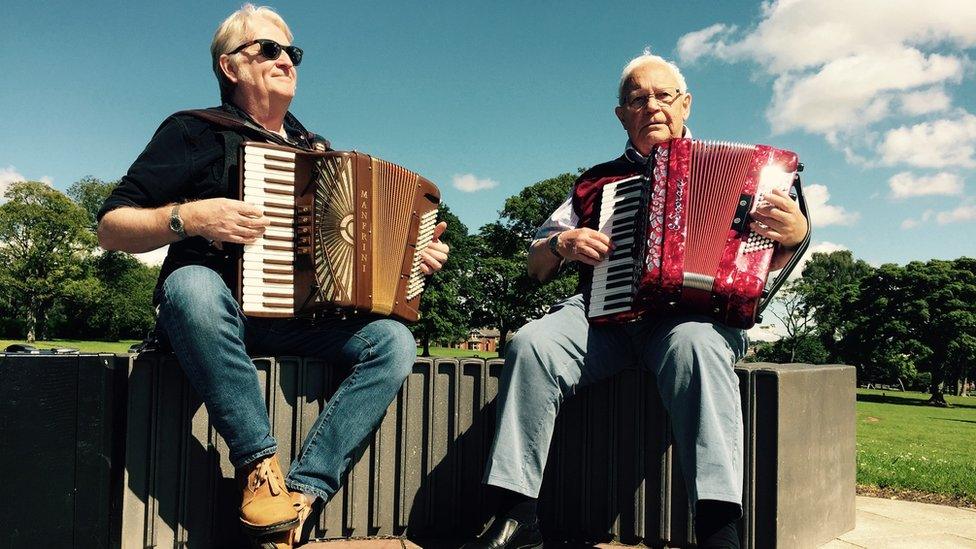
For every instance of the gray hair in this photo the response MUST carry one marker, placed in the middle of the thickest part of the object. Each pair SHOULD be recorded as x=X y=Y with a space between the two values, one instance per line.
x=232 y=33
x=647 y=58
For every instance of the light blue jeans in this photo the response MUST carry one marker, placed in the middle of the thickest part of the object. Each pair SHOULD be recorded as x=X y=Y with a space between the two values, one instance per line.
x=211 y=338
x=691 y=357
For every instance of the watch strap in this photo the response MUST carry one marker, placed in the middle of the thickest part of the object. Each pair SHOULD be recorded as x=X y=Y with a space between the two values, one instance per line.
x=553 y=243
x=176 y=222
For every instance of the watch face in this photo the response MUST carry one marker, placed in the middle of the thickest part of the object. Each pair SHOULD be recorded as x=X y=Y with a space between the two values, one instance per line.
x=176 y=224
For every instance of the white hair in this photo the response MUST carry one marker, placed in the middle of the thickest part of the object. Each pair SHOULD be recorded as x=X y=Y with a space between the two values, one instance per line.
x=233 y=32
x=642 y=60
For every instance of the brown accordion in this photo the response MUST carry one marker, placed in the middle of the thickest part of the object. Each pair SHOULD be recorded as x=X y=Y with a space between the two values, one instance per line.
x=681 y=234
x=346 y=235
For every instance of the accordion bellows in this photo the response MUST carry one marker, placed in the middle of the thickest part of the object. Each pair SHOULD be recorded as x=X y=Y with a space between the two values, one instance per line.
x=347 y=233
x=681 y=233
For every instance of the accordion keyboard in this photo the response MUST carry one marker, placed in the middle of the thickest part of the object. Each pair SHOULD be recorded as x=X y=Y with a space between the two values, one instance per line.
x=613 y=279
x=267 y=275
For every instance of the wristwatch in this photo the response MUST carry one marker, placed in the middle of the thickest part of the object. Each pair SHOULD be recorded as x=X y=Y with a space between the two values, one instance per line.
x=554 y=245
x=176 y=222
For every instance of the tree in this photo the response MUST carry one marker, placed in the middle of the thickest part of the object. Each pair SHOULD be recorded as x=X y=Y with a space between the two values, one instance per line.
x=797 y=318
x=506 y=297
x=444 y=315
x=916 y=318
x=45 y=241
x=114 y=302
x=90 y=193
x=803 y=349
x=830 y=283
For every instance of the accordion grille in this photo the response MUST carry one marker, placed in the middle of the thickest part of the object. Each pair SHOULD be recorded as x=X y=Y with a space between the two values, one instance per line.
x=334 y=211
x=717 y=173
x=394 y=189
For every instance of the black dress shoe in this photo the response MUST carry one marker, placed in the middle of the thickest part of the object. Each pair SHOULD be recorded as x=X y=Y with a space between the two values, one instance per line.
x=508 y=533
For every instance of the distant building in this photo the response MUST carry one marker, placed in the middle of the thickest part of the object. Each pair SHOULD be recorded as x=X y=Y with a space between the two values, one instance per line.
x=480 y=339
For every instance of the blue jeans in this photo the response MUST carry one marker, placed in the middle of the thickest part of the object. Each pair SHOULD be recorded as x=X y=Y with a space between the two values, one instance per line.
x=691 y=357
x=210 y=336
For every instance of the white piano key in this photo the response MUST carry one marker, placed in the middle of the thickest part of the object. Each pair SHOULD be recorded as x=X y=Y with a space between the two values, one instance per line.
x=258 y=148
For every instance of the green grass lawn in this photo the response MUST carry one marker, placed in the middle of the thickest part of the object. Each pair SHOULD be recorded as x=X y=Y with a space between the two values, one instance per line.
x=904 y=444
x=458 y=353
x=123 y=346
x=82 y=346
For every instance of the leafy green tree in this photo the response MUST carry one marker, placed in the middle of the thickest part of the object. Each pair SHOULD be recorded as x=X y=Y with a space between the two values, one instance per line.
x=90 y=193
x=802 y=349
x=916 y=318
x=830 y=283
x=505 y=296
x=444 y=315
x=114 y=303
x=45 y=240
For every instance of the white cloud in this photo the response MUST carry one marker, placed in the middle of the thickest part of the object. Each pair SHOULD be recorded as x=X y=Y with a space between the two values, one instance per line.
x=10 y=175
x=796 y=35
x=961 y=214
x=699 y=43
x=855 y=91
x=470 y=183
x=841 y=66
x=925 y=102
x=907 y=185
x=824 y=214
x=938 y=144
x=911 y=223
x=154 y=257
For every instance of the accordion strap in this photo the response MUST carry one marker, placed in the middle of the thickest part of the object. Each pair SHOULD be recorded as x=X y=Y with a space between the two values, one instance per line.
x=221 y=117
x=801 y=249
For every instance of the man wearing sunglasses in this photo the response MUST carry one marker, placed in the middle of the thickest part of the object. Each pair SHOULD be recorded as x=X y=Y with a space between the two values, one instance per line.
x=691 y=356
x=182 y=191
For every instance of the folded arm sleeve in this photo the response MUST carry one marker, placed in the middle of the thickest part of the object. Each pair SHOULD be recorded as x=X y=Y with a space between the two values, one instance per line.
x=159 y=175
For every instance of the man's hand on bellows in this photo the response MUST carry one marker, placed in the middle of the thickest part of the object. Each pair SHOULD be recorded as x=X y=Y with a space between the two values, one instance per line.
x=435 y=254
x=224 y=220
x=780 y=219
x=584 y=245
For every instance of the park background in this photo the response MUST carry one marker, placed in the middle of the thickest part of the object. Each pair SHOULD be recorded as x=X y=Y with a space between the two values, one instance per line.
x=502 y=105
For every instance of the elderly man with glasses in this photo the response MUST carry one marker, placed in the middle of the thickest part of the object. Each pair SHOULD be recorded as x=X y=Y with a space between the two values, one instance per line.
x=182 y=191
x=691 y=356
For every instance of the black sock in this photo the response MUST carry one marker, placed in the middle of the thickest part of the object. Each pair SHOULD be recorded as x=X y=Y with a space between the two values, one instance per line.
x=716 y=524
x=515 y=505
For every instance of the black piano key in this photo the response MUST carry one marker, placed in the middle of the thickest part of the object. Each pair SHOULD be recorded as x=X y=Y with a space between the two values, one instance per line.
x=625 y=266
x=620 y=202
x=621 y=276
x=616 y=297
x=622 y=230
x=620 y=253
x=629 y=206
x=629 y=186
x=617 y=284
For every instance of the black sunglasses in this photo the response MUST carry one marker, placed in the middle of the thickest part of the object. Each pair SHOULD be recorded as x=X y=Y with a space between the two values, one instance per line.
x=272 y=50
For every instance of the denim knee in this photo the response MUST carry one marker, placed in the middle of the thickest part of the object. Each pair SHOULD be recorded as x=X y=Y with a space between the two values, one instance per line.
x=196 y=293
x=393 y=341
x=530 y=354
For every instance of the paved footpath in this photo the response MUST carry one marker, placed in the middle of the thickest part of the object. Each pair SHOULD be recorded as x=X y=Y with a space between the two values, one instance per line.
x=881 y=523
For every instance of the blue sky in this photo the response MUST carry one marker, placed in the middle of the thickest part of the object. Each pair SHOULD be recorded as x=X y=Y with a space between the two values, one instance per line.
x=876 y=97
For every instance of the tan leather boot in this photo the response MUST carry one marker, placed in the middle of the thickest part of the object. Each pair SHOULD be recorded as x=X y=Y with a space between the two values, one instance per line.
x=303 y=506
x=265 y=503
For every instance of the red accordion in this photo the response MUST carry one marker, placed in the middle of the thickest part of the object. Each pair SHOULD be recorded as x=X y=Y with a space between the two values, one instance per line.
x=681 y=234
